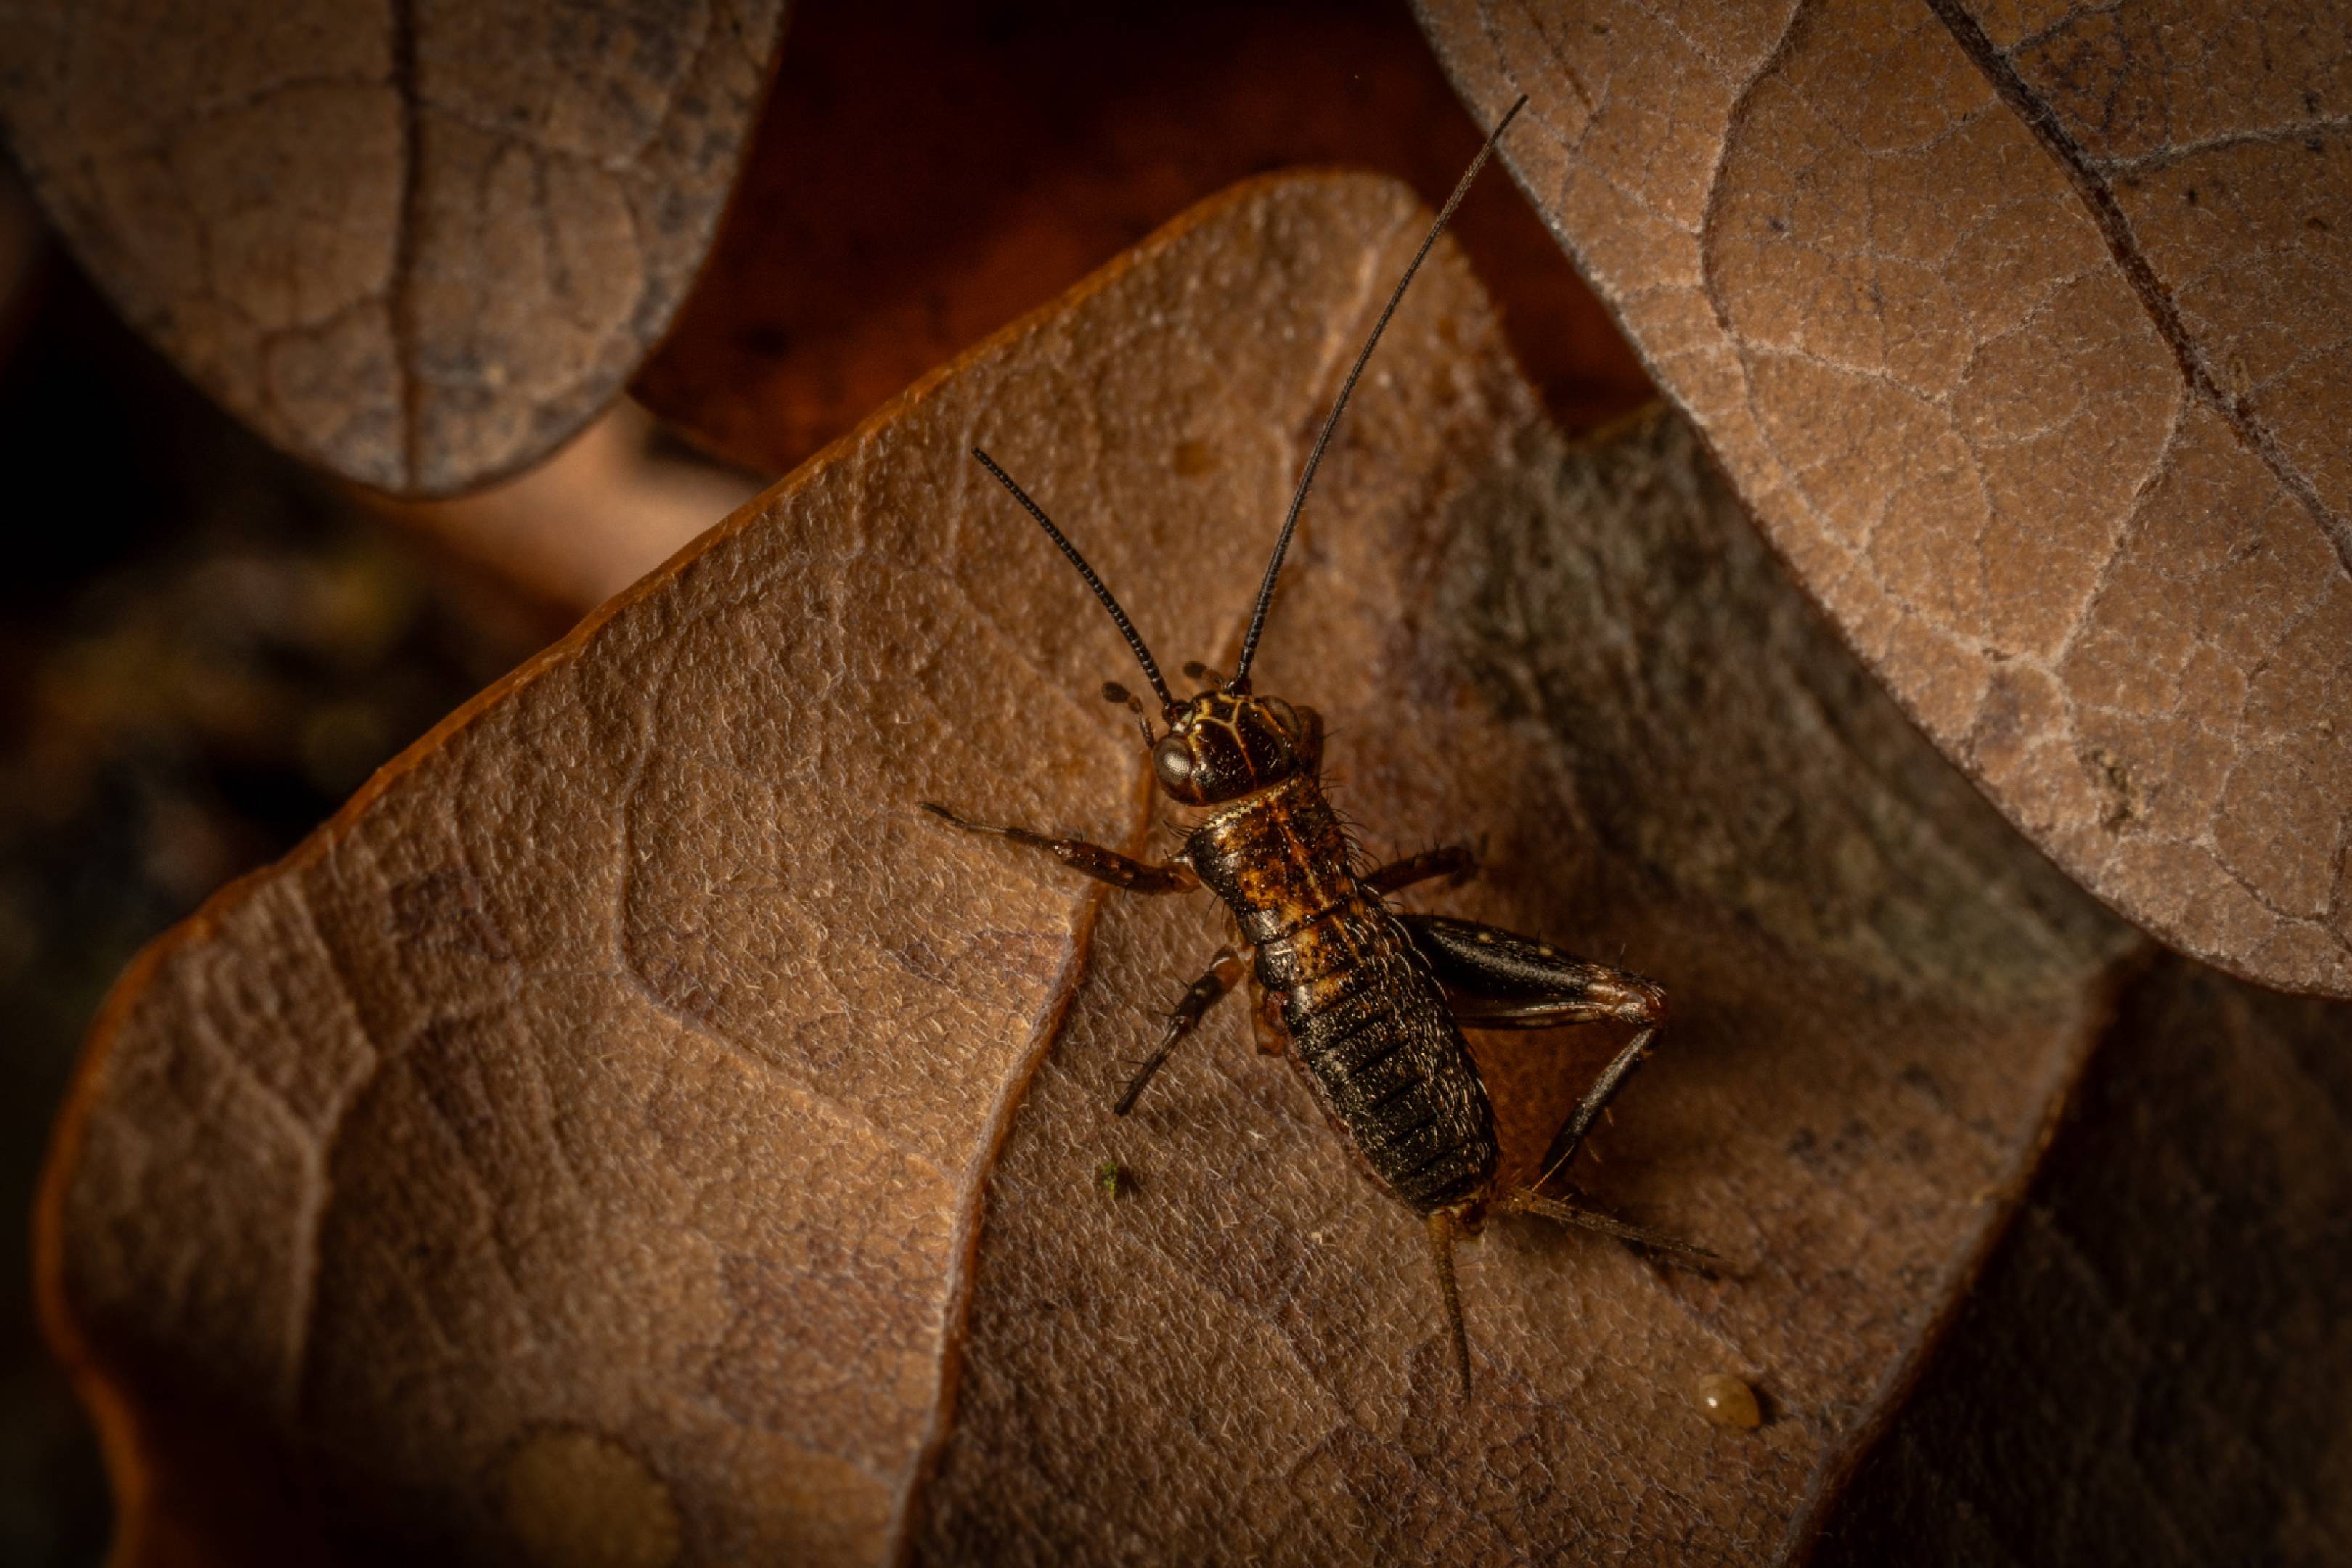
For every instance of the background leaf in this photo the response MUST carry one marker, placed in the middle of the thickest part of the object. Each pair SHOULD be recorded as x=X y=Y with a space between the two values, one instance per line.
x=418 y=243
x=2022 y=329
x=2151 y=1368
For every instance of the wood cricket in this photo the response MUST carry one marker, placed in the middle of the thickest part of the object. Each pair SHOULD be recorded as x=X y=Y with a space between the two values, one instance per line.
x=1367 y=1002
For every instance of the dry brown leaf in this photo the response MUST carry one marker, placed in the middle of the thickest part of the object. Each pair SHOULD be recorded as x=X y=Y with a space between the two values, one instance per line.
x=2151 y=1368
x=420 y=244
x=589 y=1134
x=892 y=217
x=2023 y=329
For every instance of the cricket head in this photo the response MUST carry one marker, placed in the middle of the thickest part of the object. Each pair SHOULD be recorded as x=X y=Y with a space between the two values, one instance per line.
x=1226 y=741
x=1224 y=744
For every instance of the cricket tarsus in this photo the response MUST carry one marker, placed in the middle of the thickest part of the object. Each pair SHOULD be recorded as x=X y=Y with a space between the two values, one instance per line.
x=1367 y=1003
x=1550 y=1208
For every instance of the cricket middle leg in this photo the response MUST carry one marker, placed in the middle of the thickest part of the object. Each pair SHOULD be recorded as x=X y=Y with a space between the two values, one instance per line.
x=1204 y=993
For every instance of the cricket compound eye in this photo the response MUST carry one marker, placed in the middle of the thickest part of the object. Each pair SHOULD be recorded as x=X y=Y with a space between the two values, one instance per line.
x=1171 y=758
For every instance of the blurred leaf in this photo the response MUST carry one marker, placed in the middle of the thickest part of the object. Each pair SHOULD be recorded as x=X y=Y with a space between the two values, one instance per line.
x=421 y=242
x=193 y=606
x=2151 y=1369
x=2023 y=331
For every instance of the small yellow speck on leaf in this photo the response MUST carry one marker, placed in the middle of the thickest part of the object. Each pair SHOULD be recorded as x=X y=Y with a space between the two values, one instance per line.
x=1727 y=1402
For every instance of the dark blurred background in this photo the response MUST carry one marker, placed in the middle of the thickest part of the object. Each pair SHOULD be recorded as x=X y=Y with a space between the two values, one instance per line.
x=204 y=648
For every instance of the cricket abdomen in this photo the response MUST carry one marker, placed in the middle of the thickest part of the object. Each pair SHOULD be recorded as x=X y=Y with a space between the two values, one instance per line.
x=1369 y=1027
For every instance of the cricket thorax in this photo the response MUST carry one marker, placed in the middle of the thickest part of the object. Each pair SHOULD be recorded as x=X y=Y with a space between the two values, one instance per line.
x=1279 y=858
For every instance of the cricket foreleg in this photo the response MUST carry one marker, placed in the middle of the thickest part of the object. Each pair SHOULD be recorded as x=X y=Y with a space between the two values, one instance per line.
x=1457 y=863
x=1204 y=993
x=1497 y=979
x=1091 y=860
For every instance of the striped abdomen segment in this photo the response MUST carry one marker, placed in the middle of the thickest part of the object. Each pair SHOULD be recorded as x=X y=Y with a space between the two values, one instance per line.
x=1369 y=1027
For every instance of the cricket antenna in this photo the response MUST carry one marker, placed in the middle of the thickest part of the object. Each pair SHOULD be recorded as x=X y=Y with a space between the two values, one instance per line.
x=1126 y=628
x=1240 y=681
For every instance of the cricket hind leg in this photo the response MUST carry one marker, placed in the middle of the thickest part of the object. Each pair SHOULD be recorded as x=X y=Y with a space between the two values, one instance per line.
x=1089 y=859
x=1444 y=1228
x=1498 y=979
x=1223 y=971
